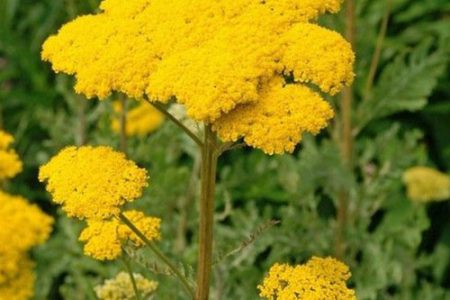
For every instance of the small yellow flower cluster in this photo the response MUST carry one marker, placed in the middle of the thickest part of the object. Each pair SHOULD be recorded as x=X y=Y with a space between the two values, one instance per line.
x=215 y=57
x=121 y=288
x=318 y=279
x=93 y=183
x=23 y=226
x=426 y=184
x=104 y=238
x=10 y=163
x=141 y=120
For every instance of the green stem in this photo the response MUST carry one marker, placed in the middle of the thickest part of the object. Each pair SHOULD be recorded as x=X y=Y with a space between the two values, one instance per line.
x=377 y=53
x=123 y=124
x=158 y=253
x=133 y=280
x=346 y=136
x=208 y=181
x=164 y=111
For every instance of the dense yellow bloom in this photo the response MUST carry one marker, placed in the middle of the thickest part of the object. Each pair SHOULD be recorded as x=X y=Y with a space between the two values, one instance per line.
x=23 y=226
x=426 y=184
x=276 y=126
x=121 y=288
x=318 y=279
x=140 y=120
x=215 y=57
x=93 y=182
x=10 y=164
x=20 y=286
x=104 y=239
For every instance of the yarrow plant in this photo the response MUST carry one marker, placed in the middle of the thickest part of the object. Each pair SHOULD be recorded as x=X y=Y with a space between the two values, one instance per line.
x=121 y=287
x=318 y=279
x=425 y=184
x=23 y=226
x=251 y=71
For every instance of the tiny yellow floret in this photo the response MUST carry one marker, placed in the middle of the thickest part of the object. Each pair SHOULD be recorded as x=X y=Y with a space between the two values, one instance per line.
x=93 y=182
x=121 y=287
x=425 y=184
x=318 y=279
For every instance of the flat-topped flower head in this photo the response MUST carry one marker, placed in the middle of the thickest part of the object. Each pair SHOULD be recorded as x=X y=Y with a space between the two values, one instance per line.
x=23 y=226
x=92 y=182
x=10 y=163
x=215 y=57
x=104 y=239
x=318 y=279
x=121 y=287
x=425 y=184
x=140 y=120
x=21 y=285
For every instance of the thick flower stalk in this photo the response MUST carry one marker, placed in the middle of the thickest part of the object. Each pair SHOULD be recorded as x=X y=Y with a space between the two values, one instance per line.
x=318 y=279
x=425 y=184
x=121 y=287
x=10 y=163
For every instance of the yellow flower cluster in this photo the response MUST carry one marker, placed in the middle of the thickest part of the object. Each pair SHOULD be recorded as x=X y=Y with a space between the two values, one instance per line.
x=140 y=120
x=104 y=238
x=20 y=286
x=276 y=127
x=215 y=57
x=121 y=288
x=426 y=184
x=10 y=163
x=23 y=226
x=318 y=279
x=93 y=182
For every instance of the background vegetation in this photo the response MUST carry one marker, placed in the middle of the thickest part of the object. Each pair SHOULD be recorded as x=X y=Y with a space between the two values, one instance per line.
x=400 y=118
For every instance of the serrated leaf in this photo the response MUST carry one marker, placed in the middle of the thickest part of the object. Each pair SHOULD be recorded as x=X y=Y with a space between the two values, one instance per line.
x=405 y=84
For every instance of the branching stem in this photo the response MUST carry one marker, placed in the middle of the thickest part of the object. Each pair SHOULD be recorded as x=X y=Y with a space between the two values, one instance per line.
x=177 y=122
x=159 y=254
x=127 y=264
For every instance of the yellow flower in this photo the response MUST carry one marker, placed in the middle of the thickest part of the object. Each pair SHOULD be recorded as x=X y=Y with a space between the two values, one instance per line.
x=318 y=279
x=276 y=122
x=426 y=184
x=140 y=120
x=23 y=225
x=121 y=288
x=21 y=285
x=104 y=239
x=93 y=182
x=215 y=57
x=10 y=164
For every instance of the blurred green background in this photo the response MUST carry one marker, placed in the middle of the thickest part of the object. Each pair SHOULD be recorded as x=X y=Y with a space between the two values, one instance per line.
x=396 y=249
